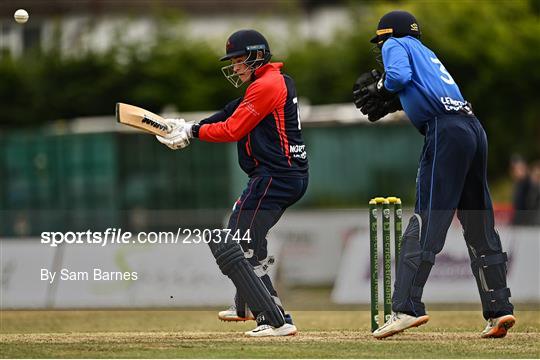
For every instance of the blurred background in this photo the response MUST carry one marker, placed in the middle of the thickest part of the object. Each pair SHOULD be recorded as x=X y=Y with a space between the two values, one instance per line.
x=65 y=165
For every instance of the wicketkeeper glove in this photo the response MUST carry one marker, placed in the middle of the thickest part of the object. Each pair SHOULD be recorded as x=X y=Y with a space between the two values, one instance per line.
x=360 y=91
x=382 y=108
x=179 y=136
x=372 y=98
x=377 y=88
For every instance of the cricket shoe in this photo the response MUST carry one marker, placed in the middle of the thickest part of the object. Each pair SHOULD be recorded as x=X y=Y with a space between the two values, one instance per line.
x=268 y=330
x=498 y=327
x=231 y=314
x=397 y=323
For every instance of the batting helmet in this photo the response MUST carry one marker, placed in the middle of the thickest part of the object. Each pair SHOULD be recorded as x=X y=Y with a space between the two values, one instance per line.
x=244 y=42
x=396 y=24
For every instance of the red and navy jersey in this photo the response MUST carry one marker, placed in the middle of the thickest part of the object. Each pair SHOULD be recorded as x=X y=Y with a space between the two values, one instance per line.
x=265 y=124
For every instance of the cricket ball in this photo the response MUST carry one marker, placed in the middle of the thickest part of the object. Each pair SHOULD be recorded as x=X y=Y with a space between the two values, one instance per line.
x=21 y=16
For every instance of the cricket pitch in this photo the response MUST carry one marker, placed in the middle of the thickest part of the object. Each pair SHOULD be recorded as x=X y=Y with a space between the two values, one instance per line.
x=198 y=334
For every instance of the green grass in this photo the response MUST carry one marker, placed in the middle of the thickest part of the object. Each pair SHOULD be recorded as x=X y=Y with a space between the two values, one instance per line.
x=198 y=334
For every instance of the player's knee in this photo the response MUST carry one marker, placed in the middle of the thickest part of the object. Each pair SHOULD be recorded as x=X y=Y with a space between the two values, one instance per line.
x=227 y=253
x=414 y=228
x=413 y=254
x=415 y=263
x=229 y=257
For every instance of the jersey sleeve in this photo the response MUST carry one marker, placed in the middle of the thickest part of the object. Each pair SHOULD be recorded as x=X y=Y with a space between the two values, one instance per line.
x=260 y=99
x=223 y=114
x=396 y=64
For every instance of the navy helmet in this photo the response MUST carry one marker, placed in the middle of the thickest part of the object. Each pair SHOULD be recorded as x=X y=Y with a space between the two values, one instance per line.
x=246 y=42
x=396 y=24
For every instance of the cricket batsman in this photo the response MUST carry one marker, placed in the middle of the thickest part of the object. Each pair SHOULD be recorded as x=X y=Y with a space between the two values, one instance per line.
x=265 y=124
x=452 y=175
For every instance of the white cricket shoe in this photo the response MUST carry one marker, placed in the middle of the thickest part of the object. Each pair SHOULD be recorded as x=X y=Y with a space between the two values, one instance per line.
x=498 y=327
x=267 y=330
x=232 y=315
x=397 y=323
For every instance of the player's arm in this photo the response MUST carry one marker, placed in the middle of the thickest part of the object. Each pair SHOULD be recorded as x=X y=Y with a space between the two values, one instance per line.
x=377 y=86
x=260 y=99
x=181 y=132
x=375 y=94
x=397 y=66
x=223 y=114
x=397 y=72
x=247 y=112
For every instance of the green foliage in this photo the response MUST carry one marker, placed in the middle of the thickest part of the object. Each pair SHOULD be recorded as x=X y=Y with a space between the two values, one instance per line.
x=491 y=49
x=176 y=72
x=14 y=93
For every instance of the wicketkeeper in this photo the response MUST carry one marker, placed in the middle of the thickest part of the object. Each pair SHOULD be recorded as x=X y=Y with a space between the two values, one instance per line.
x=265 y=124
x=452 y=175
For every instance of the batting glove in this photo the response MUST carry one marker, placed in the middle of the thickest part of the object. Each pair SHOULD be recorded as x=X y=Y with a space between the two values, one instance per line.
x=178 y=137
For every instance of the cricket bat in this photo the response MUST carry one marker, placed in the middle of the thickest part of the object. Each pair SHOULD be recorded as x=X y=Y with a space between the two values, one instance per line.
x=141 y=119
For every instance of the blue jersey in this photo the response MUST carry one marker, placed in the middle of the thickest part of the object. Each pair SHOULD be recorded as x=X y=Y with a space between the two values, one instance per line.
x=424 y=86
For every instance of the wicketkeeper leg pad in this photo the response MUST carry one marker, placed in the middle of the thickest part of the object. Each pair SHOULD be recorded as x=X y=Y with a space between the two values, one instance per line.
x=414 y=266
x=490 y=274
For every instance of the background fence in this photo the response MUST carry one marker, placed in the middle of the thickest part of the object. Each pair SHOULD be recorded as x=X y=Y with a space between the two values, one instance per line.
x=72 y=181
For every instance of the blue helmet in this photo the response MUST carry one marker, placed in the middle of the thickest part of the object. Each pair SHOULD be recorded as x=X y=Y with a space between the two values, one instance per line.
x=396 y=24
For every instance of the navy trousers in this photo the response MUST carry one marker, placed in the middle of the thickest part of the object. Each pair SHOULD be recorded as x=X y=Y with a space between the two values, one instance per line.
x=452 y=176
x=260 y=206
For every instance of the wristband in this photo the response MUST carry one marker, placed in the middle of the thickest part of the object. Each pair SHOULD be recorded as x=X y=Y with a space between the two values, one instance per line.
x=195 y=130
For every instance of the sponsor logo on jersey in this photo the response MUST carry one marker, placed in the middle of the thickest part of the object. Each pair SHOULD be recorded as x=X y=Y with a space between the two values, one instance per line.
x=453 y=105
x=250 y=107
x=298 y=151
